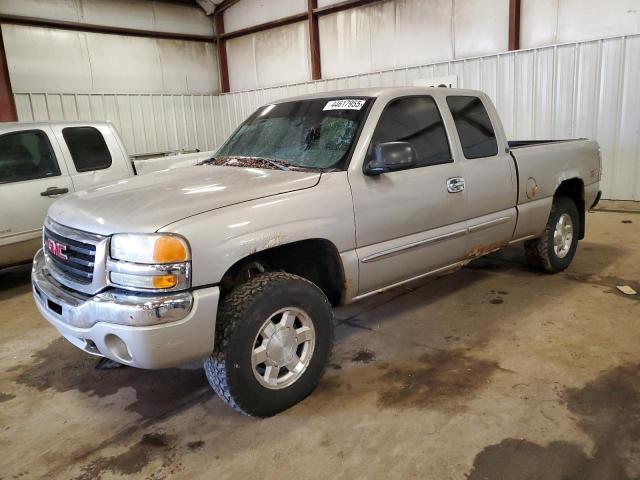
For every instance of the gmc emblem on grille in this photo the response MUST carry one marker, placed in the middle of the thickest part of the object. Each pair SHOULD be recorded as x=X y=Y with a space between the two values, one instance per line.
x=57 y=249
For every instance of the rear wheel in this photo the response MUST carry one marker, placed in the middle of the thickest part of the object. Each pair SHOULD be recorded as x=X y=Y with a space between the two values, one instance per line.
x=274 y=336
x=555 y=249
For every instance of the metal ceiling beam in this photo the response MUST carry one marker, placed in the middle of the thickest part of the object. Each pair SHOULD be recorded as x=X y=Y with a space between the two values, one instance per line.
x=514 y=24
x=8 y=111
x=299 y=17
x=346 y=5
x=226 y=4
x=106 y=29
x=311 y=16
x=314 y=40
x=208 y=6
x=281 y=22
x=223 y=66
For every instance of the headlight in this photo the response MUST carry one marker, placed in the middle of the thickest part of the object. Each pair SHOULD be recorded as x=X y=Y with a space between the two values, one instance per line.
x=155 y=262
x=149 y=249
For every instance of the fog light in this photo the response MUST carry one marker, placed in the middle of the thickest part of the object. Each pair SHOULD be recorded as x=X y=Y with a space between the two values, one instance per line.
x=117 y=348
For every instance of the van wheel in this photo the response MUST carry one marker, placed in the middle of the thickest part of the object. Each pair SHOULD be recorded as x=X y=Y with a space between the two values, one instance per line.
x=554 y=250
x=274 y=336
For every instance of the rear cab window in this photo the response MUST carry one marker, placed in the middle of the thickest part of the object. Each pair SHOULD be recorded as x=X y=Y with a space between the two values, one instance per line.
x=475 y=130
x=87 y=147
x=26 y=155
x=415 y=120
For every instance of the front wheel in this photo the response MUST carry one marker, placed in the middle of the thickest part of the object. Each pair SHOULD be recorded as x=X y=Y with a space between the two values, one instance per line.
x=554 y=250
x=274 y=336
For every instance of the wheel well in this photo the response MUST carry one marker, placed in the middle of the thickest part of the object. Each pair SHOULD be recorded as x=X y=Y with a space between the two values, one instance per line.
x=574 y=189
x=317 y=260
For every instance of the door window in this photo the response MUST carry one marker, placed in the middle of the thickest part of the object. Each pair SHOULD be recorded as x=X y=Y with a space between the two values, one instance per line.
x=415 y=120
x=26 y=155
x=88 y=148
x=475 y=130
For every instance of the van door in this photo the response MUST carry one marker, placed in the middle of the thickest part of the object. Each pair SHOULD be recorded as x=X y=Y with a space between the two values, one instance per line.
x=93 y=155
x=31 y=179
x=489 y=175
x=412 y=221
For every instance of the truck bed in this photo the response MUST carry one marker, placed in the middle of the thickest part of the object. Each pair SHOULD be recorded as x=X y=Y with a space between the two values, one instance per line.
x=528 y=143
x=547 y=163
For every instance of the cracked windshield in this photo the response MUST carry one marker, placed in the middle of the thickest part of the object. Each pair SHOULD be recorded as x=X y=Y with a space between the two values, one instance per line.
x=306 y=134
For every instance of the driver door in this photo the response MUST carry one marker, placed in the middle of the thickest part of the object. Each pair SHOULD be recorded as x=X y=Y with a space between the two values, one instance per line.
x=412 y=221
x=31 y=179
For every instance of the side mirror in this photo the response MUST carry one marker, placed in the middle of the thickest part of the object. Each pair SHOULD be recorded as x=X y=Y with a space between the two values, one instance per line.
x=391 y=156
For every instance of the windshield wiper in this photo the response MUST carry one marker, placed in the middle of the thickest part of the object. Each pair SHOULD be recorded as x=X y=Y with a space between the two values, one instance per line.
x=231 y=160
x=208 y=161
x=277 y=163
x=284 y=165
x=281 y=164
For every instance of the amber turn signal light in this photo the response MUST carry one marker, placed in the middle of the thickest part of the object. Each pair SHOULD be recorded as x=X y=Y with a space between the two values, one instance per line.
x=169 y=250
x=164 y=281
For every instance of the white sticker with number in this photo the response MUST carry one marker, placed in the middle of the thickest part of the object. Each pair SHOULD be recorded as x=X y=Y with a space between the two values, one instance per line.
x=344 y=104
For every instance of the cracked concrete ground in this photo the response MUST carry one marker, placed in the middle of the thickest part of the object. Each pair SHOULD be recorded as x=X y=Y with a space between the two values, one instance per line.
x=492 y=372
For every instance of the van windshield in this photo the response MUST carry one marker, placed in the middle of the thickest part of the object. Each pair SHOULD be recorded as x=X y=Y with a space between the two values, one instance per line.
x=315 y=134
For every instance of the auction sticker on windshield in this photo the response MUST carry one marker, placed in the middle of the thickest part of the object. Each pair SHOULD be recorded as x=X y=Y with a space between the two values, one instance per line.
x=344 y=104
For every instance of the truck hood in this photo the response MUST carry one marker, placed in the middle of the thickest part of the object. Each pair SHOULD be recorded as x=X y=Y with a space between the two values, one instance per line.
x=147 y=203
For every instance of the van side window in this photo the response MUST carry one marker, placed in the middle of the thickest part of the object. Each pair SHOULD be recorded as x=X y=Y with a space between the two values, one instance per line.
x=26 y=155
x=474 y=127
x=88 y=148
x=415 y=120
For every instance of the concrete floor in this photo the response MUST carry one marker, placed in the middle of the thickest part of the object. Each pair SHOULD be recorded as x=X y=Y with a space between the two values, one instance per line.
x=493 y=372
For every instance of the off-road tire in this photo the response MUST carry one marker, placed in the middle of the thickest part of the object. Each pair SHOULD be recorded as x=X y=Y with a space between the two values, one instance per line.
x=241 y=314
x=539 y=253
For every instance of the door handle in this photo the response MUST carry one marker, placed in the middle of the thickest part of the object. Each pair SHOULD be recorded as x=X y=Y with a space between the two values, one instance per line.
x=53 y=192
x=455 y=184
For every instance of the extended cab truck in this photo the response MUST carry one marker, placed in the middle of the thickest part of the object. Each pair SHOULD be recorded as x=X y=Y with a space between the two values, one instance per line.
x=40 y=162
x=314 y=201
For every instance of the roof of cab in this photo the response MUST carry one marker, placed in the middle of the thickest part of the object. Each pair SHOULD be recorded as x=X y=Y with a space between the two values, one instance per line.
x=11 y=126
x=386 y=92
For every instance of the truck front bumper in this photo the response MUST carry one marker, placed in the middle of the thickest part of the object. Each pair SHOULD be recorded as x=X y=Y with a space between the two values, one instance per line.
x=139 y=330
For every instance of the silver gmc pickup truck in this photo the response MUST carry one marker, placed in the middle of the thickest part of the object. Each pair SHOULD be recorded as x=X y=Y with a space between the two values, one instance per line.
x=312 y=202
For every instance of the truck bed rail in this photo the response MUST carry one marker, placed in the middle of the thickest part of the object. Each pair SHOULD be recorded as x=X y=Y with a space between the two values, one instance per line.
x=531 y=143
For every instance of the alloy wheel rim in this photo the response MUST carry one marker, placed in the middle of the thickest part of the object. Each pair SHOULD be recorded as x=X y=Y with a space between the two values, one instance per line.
x=283 y=348
x=563 y=236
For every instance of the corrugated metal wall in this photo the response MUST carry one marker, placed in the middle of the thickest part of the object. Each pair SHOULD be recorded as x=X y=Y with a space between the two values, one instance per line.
x=587 y=89
x=369 y=38
x=147 y=123
x=270 y=57
x=399 y=33
x=49 y=60
x=547 y=22
x=154 y=15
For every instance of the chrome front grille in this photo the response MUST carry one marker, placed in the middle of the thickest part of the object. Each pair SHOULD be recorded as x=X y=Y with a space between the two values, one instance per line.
x=75 y=258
